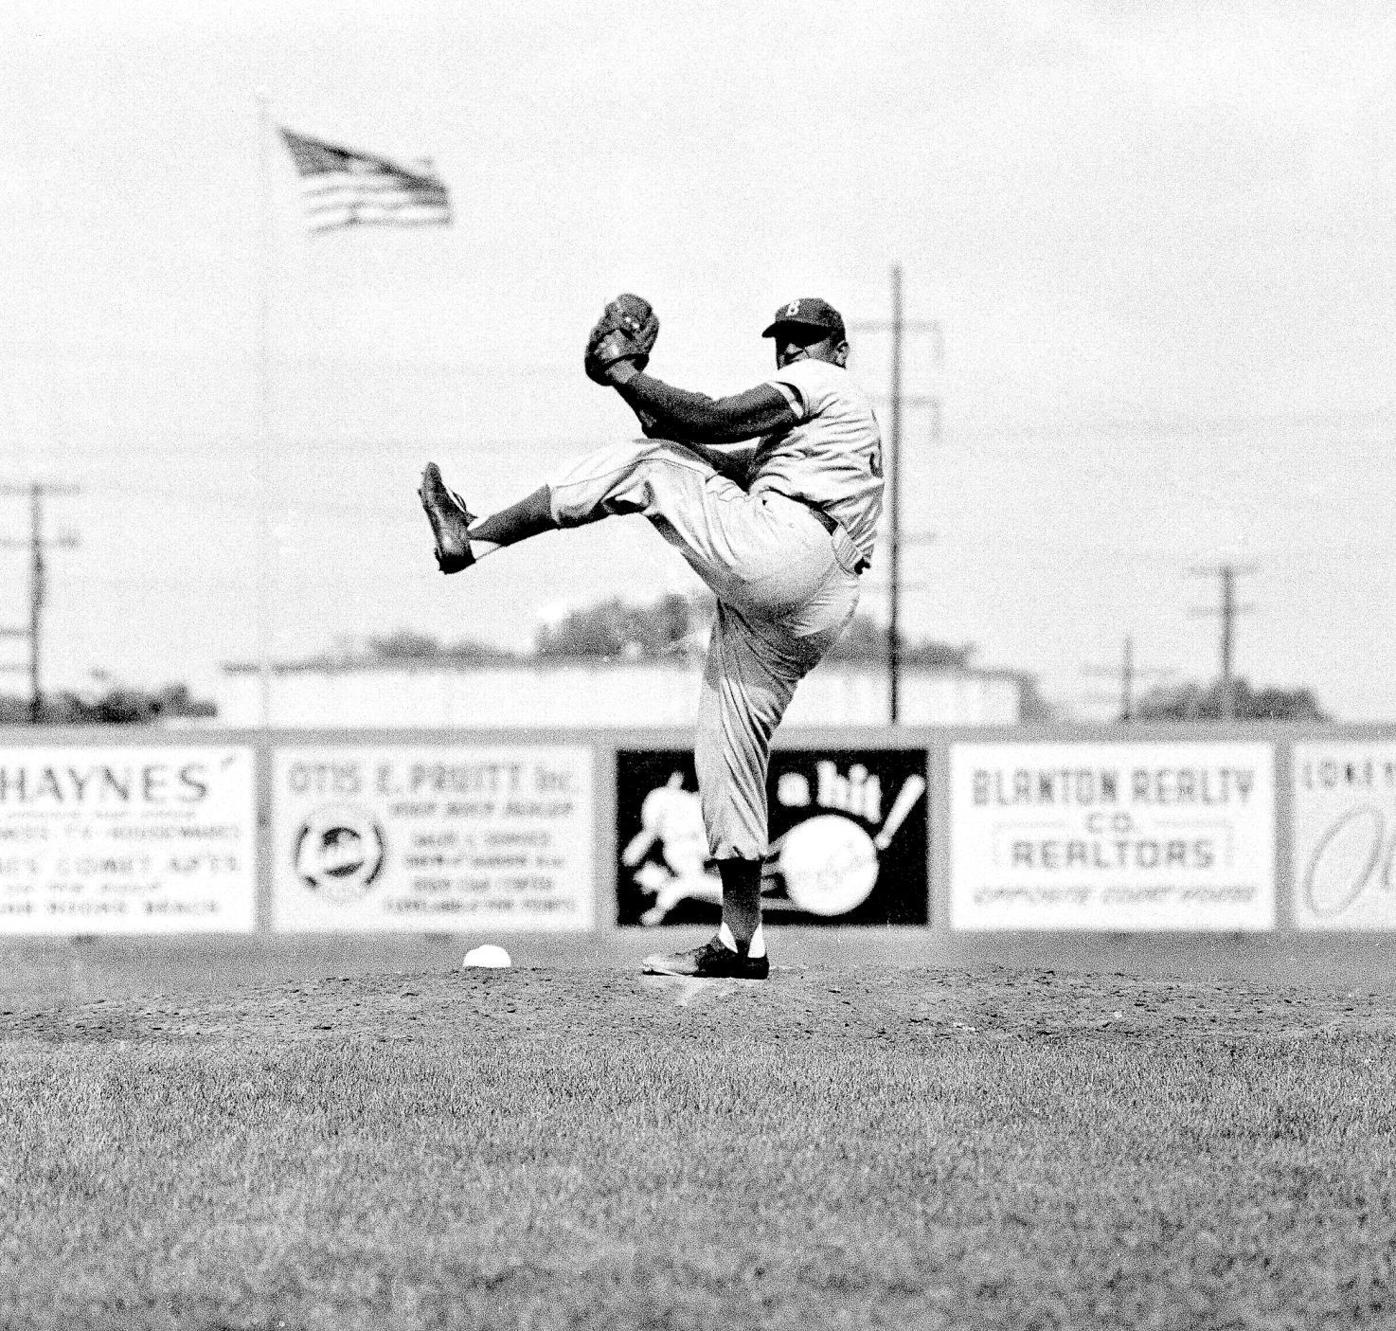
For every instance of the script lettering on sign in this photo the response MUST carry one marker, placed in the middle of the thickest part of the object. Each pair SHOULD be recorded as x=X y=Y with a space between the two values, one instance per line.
x=1344 y=835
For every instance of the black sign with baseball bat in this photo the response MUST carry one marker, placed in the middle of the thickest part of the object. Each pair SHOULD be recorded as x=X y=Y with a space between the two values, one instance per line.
x=848 y=828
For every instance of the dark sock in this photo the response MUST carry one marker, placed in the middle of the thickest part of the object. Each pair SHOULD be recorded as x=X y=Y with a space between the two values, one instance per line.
x=530 y=516
x=741 y=898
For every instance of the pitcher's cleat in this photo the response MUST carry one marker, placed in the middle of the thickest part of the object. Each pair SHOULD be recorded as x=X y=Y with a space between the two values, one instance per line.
x=450 y=521
x=718 y=959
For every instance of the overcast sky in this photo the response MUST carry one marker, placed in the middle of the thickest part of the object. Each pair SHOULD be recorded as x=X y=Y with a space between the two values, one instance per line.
x=1159 y=242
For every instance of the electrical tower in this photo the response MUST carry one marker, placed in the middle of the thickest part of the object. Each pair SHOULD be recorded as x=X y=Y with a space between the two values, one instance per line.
x=892 y=468
x=38 y=581
x=1226 y=610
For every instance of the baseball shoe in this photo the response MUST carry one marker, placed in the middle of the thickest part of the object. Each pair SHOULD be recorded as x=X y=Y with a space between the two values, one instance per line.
x=450 y=521
x=718 y=959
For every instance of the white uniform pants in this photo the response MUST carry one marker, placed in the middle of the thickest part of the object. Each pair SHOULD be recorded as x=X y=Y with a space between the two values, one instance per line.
x=785 y=588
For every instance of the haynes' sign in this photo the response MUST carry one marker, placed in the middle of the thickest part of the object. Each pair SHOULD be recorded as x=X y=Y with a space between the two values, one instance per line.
x=102 y=839
x=1345 y=835
x=1112 y=836
x=432 y=838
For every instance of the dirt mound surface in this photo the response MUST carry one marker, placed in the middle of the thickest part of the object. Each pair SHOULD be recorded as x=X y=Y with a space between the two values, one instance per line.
x=898 y=1004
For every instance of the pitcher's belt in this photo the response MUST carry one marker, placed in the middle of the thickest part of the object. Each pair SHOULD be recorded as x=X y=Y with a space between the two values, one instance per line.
x=830 y=524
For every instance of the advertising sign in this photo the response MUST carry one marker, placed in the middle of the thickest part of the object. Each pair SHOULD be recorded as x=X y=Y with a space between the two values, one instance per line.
x=1344 y=835
x=1112 y=836
x=432 y=837
x=101 y=839
x=848 y=839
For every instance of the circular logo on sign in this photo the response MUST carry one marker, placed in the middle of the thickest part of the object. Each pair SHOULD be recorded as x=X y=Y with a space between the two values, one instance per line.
x=339 y=852
x=829 y=864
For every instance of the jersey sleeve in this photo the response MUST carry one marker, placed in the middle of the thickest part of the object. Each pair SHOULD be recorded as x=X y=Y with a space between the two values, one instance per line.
x=803 y=383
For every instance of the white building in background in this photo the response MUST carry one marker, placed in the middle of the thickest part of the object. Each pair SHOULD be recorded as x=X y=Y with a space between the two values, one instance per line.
x=552 y=692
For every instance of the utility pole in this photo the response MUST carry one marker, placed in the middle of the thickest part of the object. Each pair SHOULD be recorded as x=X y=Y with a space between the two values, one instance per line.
x=38 y=580
x=1227 y=610
x=892 y=460
x=1129 y=674
x=894 y=425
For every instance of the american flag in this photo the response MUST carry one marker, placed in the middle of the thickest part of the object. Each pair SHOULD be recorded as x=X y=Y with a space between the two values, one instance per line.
x=340 y=187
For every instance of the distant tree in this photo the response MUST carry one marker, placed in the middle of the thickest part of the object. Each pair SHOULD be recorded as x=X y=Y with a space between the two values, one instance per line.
x=1274 y=704
x=403 y=644
x=119 y=705
x=940 y=655
x=1032 y=706
x=615 y=629
x=408 y=645
x=866 y=640
x=675 y=624
x=1192 y=701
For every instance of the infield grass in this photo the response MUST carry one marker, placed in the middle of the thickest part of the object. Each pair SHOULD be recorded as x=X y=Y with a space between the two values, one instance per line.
x=551 y=1149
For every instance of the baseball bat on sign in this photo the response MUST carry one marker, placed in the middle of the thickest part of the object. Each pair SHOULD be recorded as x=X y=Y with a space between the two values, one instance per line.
x=911 y=791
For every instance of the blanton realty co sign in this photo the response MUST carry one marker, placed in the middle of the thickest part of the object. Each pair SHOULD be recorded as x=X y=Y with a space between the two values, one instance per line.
x=1116 y=836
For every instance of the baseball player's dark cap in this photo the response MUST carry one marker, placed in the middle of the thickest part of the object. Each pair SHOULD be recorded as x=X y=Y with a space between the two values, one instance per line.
x=808 y=312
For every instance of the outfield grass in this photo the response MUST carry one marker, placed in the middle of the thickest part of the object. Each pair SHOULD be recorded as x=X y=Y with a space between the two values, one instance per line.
x=996 y=1148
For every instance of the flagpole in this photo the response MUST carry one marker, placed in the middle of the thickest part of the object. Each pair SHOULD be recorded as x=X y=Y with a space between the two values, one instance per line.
x=264 y=441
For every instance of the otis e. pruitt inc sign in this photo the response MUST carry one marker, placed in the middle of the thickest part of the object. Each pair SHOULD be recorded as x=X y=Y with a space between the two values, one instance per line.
x=432 y=837
x=1115 y=837
x=106 y=839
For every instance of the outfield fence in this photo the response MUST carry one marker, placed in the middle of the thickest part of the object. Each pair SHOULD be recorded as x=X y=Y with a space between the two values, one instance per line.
x=1179 y=828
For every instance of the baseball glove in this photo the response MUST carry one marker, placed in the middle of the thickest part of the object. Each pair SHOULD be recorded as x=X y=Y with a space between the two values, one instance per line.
x=626 y=330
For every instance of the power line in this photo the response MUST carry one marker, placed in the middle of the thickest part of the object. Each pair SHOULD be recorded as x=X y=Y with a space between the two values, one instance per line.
x=38 y=580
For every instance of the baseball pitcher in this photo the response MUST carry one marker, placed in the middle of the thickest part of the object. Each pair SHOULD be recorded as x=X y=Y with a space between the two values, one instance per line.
x=773 y=496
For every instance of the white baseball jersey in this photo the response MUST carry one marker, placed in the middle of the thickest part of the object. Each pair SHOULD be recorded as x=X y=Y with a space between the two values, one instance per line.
x=833 y=456
x=786 y=587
